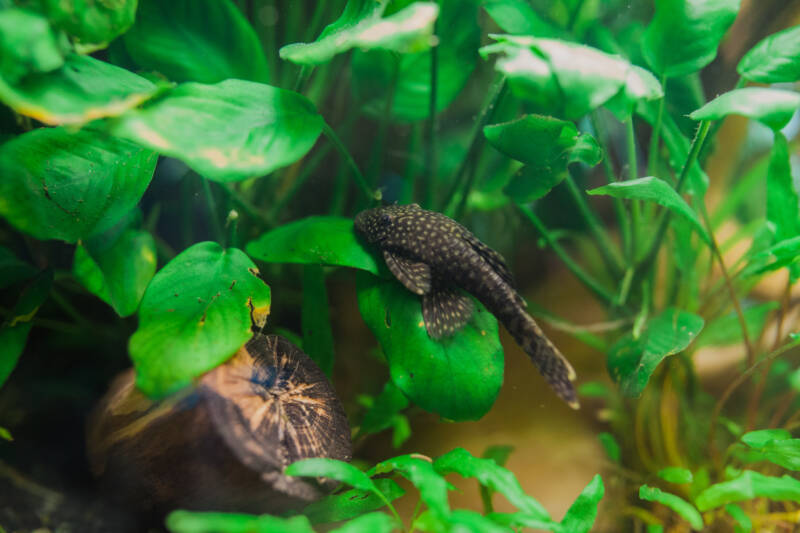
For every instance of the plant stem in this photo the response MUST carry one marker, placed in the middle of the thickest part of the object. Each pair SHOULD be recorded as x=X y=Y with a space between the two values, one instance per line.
x=431 y=151
x=595 y=287
x=251 y=210
x=622 y=214
x=68 y=308
x=357 y=176
x=379 y=148
x=633 y=173
x=216 y=228
x=652 y=156
x=496 y=92
x=302 y=77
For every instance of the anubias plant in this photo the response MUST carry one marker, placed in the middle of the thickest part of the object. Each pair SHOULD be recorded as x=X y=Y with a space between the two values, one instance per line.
x=93 y=94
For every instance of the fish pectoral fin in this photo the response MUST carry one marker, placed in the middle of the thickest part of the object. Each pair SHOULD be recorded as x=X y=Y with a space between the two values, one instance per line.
x=415 y=276
x=445 y=310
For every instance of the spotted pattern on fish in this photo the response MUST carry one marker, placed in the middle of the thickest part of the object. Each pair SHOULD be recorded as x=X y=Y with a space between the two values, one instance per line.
x=437 y=258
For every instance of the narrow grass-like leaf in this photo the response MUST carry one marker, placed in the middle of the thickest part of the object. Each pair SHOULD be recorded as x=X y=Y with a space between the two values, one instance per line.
x=773 y=107
x=333 y=469
x=610 y=445
x=782 y=201
x=676 y=503
x=195 y=314
x=582 y=513
x=656 y=190
x=743 y=522
x=229 y=131
x=319 y=240
x=775 y=59
x=352 y=503
x=13 y=269
x=748 y=485
x=316 y=319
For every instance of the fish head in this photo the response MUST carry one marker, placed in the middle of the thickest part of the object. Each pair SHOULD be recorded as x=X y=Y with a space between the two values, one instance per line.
x=378 y=225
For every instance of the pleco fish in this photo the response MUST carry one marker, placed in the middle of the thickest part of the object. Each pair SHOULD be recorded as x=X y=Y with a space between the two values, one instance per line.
x=434 y=256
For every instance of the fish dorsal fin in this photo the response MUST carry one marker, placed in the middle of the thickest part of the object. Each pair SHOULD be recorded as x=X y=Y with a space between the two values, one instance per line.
x=414 y=275
x=498 y=264
x=445 y=310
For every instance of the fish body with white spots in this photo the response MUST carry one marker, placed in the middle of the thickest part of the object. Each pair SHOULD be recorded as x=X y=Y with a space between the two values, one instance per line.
x=437 y=258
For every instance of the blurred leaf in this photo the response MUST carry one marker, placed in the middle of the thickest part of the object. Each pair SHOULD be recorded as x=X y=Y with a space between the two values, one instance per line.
x=229 y=131
x=582 y=513
x=675 y=474
x=352 y=503
x=676 y=503
x=775 y=59
x=318 y=240
x=775 y=446
x=62 y=185
x=594 y=389
x=27 y=44
x=517 y=17
x=466 y=521
x=5 y=434
x=90 y=21
x=746 y=486
x=773 y=107
x=369 y=523
x=14 y=332
x=610 y=445
x=782 y=201
x=498 y=453
x=683 y=35
x=204 y=522
x=82 y=90
x=196 y=40
x=360 y=25
x=586 y=151
x=531 y=183
x=632 y=361
x=764 y=437
x=375 y=71
x=725 y=330
x=743 y=522
x=432 y=486
x=491 y=475
x=316 y=319
x=331 y=468
x=13 y=269
x=196 y=312
x=387 y=405
x=457 y=377
x=655 y=190
x=523 y=520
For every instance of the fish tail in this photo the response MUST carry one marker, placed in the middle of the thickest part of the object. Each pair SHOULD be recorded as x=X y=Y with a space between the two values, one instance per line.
x=552 y=365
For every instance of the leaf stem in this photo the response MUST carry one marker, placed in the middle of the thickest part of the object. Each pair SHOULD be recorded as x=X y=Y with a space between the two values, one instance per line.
x=431 y=151
x=595 y=287
x=357 y=176
x=216 y=228
x=633 y=173
x=652 y=156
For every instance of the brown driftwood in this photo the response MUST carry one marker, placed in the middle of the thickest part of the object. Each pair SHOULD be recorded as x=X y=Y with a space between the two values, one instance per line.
x=223 y=444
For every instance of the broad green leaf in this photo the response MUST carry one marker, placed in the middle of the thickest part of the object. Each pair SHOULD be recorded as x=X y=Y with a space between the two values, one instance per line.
x=746 y=486
x=196 y=40
x=676 y=503
x=675 y=474
x=196 y=312
x=517 y=17
x=763 y=437
x=385 y=408
x=82 y=90
x=361 y=26
x=586 y=151
x=775 y=446
x=457 y=377
x=775 y=59
x=319 y=240
x=582 y=513
x=13 y=269
x=726 y=330
x=610 y=445
x=63 y=185
x=352 y=503
x=571 y=78
x=654 y=190
x=744 y=524
x=369 y=523
x=27 y=44
x=491 y=475
x=316 y=319
x=375 y=71
x=229 y=131
x=117 y=269
x=773 y=107
x=14 y=332
x=420 y=472
x=333 y=469
x=632 y=361
x=683 y=35
x=89 y=21
x=210 y=522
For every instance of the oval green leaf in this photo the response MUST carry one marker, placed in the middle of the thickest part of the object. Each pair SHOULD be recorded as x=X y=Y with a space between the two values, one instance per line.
x=229 y=131
x=582 y=513
x=457 y=377
x=27 y=44
x=333 y=469
x=369 y=523
x=656 y=190
x=352 y=503
x=773 y=107
x=82 y=90
x=676 y=503
x=361 y=25
x=775 y=59
x=431 y=485
x=746 y=486
x=683 y=35
x=196 y=40
x=91 y=22
x=195 y=314
x=775 y=446
x=320 y=240
x=675 y=474
x=62 y=185
x=212 y=522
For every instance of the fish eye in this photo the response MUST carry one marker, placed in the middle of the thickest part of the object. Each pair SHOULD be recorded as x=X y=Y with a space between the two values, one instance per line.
x=385 y=219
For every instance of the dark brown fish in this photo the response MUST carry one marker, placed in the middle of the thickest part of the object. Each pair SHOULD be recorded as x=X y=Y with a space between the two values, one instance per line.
x=434 y=256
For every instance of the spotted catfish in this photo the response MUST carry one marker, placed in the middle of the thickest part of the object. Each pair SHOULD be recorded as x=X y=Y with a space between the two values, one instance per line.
x=438 y=258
